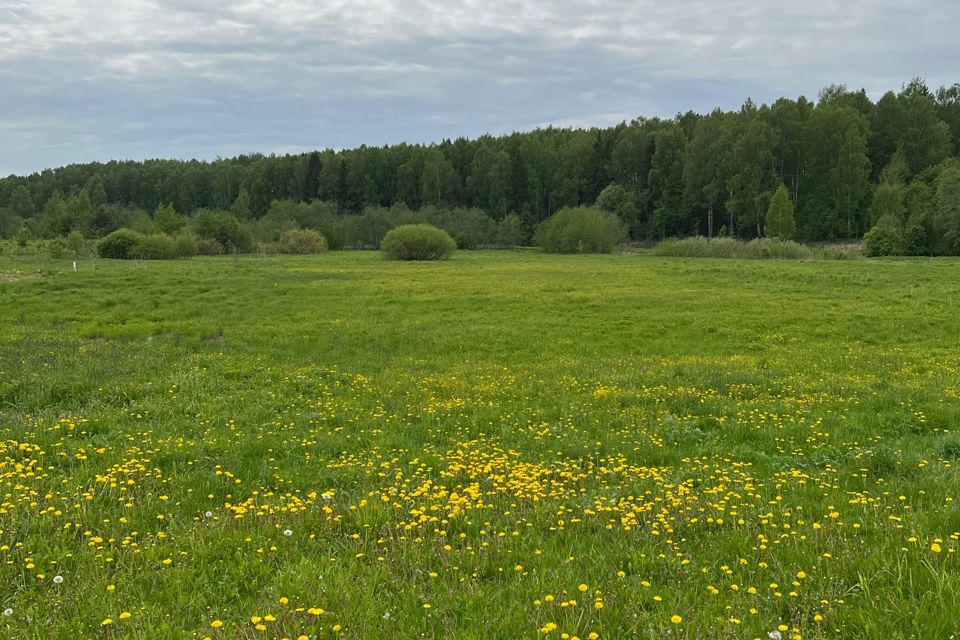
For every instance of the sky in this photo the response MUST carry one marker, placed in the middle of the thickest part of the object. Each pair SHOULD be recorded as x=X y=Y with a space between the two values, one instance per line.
x=95 y=80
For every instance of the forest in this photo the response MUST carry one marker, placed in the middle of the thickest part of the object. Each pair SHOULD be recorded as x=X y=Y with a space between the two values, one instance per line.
x=851 y=166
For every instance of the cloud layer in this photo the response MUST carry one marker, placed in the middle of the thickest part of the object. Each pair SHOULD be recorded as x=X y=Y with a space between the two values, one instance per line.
x=83 y=81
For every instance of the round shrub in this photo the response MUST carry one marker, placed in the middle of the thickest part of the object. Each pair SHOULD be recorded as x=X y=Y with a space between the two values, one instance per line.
x=155 y=246
x=580 y=230
x=417 y=242
x=302 y=241
x=118 y=244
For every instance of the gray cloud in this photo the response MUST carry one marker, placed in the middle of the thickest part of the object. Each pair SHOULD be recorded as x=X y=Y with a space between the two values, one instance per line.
x=83 y=81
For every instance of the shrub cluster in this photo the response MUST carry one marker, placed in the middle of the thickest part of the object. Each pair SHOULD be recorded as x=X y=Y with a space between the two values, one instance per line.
x=127 y=244
x=580 y=230
x=417 y=242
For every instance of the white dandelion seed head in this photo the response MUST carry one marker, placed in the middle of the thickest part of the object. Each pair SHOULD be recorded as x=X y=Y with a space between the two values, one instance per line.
x=57 y=579
x=8 y=612
x=775 y=635
x=208 y=514
x=326 y=496
x=287 y=532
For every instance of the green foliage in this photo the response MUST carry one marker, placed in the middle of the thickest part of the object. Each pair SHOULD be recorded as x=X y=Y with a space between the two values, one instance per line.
x=302 y=241
x=186 y=244
x=946 y=218
x=118 y=245
x=470 y=228
x=510 y=232
x=417 y=242
x=168 y=221
x=756 y=249
x=58 y=249
x=10 y=223
x=887 y=201
x=223 y=228
x=687 y=175
x=76 y=244
x=780 y=222
x=885 y=238
x=580 y=230
x=155 y=246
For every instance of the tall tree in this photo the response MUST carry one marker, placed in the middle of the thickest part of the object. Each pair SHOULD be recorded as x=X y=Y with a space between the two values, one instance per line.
x=666 y=182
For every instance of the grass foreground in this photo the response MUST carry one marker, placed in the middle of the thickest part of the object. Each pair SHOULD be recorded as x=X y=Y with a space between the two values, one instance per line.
x=504 y=445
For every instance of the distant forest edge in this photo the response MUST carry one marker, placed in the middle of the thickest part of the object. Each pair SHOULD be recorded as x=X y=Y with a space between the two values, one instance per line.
x=850 y=167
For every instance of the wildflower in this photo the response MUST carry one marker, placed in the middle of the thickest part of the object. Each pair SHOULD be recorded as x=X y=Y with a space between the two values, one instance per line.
x=106 y=622
x=57 y=579
x=337 y=628
x=315 y=611
x=675 y=619
x=935 y=547
x=775 y=635
x=583 y=587
x=8 y=612
x=124 y=615
x=216 y=624
x=287 y=532
x=547 y=628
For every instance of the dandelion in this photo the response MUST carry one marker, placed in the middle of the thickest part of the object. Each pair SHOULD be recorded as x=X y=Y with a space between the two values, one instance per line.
x=935 y=547
x=775 y=635
x=57 y=579
x=106 y=622
x=208 y=514
x=583 y=587
x=124 y=615
x=8 y=612
x=315 y=611
x=675 y=619
x=287 y=532
x=216 y=624
x=326 y=496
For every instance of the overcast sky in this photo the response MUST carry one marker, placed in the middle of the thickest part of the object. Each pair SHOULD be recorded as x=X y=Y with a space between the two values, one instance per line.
x=84 y=80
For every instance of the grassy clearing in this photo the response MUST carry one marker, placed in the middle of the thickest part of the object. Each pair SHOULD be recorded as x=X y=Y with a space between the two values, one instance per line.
x=507 y=444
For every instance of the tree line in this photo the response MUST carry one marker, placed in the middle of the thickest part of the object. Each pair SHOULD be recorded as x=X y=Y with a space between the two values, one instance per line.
x=845 y=163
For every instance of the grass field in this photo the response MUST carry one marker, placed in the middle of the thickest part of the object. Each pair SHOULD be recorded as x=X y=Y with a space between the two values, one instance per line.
x=505 y=445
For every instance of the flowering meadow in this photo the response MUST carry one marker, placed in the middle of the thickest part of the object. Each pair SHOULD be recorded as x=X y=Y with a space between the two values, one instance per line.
x=504 y=445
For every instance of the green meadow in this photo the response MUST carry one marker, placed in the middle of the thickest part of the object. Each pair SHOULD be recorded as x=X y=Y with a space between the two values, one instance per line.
x=502 y=445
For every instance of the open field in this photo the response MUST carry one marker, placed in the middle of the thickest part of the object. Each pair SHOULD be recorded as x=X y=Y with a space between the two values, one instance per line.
x=505 y=445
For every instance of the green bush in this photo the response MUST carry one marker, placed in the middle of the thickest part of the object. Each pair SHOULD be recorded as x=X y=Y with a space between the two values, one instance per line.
x=417 y=242
x=186 y=244
x=302 y=241
x=155 y=246
x=58 y=249
x=224 y=228
x=76 y=244
x=885 y=239
x=580 y=230
x=118 y=244
x=209 y=247
x=758 y=249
